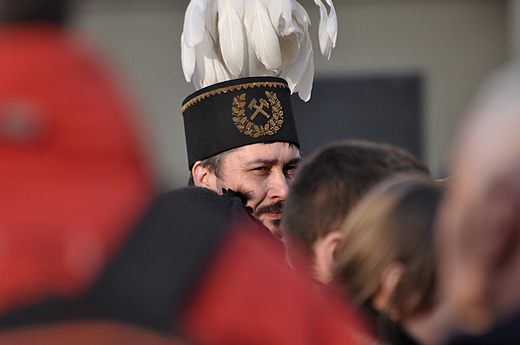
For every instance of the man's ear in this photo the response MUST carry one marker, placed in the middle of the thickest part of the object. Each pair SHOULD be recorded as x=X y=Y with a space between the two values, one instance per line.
x=324 y=251
x=203 y=177
x=392 y=275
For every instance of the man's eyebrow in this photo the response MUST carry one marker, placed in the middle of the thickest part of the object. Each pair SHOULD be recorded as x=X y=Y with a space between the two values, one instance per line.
x=263 y=161
x=294 y=161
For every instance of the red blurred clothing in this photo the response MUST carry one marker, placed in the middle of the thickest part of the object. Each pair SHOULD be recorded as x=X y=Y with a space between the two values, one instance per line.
x=250 y=296
x=72 y=179
x=86 y=333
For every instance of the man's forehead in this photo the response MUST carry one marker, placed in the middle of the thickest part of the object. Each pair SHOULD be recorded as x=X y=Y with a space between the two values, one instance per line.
x=259 y=152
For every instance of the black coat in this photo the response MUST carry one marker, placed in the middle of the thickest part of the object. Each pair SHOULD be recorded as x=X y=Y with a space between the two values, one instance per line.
x=150 y=280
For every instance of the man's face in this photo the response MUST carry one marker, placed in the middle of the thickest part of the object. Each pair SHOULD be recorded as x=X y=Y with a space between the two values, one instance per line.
x=263 y=173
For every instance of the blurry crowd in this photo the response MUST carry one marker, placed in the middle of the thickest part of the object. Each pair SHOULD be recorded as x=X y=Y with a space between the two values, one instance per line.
x=356 y=244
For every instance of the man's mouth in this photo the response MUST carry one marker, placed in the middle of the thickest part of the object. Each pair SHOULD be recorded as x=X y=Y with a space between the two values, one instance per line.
x=273 y=210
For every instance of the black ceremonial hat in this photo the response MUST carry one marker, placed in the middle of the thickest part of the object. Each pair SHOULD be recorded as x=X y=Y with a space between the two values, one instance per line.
x=236 y=113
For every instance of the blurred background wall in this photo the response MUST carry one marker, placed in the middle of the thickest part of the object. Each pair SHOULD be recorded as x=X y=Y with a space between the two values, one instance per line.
x=451 y=44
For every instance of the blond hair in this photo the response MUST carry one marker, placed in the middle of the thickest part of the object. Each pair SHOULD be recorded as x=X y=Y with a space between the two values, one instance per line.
x=392 y=223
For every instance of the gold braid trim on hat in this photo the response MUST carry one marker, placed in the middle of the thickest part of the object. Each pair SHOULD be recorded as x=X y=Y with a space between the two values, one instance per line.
x=231 y=88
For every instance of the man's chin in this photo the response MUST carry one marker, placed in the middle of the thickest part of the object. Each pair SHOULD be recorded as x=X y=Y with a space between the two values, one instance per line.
x=274 y=226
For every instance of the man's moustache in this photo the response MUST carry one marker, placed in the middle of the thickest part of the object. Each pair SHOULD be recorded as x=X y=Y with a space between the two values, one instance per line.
x=272 y=208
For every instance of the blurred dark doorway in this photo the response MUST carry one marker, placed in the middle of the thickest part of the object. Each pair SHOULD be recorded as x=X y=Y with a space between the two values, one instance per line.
x=384 y=109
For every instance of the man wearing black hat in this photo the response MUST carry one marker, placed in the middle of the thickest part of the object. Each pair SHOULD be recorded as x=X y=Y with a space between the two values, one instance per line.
x=241 y=136
x=246 y=58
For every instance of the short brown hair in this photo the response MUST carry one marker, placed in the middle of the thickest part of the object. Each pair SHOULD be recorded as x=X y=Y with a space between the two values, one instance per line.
x=332 y=180
x=215 y=162
x=393 y=223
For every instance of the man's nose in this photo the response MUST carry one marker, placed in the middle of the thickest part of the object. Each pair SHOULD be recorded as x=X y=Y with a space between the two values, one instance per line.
x=278 y=186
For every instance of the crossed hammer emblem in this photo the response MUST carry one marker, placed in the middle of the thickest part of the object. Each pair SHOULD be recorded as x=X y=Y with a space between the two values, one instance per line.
x=259 y=108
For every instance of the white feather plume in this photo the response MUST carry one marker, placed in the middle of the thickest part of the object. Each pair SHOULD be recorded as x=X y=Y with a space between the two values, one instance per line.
x=280 y=12
x=192 y=34
x=231 y=35
x=209 y=68
x=328 y=28
x=227 y=39
x=262 y=35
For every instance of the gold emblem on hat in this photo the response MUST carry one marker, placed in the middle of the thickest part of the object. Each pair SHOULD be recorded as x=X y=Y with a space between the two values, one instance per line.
x=274 y=121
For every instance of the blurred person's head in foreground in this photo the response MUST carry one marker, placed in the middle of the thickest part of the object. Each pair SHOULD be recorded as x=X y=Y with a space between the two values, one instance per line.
x=73 y=177
x=326 y=187
x=385 y=260
x=479 y=222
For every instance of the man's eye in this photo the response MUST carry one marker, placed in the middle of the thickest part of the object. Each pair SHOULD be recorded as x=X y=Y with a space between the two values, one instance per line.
x=290 y=170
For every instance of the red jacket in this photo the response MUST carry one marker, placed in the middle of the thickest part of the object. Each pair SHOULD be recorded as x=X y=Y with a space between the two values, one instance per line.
x=72 y=179
x=250 y=296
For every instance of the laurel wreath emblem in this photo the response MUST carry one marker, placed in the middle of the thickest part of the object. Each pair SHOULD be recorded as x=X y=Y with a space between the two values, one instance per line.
x=248 y=127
